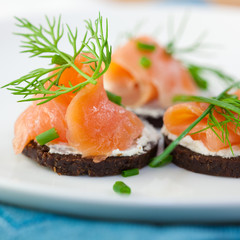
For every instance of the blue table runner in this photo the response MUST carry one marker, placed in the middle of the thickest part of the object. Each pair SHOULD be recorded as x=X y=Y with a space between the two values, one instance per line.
x=22 y=224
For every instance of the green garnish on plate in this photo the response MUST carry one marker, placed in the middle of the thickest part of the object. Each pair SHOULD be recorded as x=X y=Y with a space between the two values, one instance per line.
x=121 y=188
x=130 y=172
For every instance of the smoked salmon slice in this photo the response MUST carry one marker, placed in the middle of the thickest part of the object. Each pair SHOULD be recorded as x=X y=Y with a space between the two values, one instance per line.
x=137 y=85
x=86 y=120
x=70 y=75
x=178 y=117
x=96 y=126
x=37 y=119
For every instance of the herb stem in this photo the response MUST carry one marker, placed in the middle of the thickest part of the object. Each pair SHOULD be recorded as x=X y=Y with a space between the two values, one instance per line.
x=212 y=101
x=173 y=144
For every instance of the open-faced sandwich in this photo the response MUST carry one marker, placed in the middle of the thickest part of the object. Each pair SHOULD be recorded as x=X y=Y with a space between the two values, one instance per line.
x=73 y=125
x=147 y=76
x=203 y=134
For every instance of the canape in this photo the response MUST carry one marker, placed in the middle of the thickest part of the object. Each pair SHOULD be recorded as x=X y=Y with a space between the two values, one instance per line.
x=204 y=136
x=73 y=125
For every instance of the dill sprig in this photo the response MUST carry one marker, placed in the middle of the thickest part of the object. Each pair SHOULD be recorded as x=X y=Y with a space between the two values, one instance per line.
x=197 y=71
x=224 y=104
x=44 y=42
x=174 y=38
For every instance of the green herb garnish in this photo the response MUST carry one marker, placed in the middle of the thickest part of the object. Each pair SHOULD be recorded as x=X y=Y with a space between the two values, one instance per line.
x=197 y=71
x=121 y=187
x=47 y=136
x=44 y=42
x=164 y=161
x=130 y=172
x=226 y=104
x=146 y=46
x=175 y=36
x=114 y=98
x=145 y=62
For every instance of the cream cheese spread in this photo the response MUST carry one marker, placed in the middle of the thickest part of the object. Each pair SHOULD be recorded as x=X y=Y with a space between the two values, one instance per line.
x=150 y=136
x=151 y=109
x=198 y=146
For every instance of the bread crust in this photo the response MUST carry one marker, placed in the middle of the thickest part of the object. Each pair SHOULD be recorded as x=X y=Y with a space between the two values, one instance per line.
x=74 y=165
x=210 y=165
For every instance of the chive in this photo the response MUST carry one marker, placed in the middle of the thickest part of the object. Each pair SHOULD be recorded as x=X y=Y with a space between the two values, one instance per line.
x=114 y=98
x=130 y=172
x=146 y=46
x=47 y=136
x=121 y=187
x=215 y=102
x=164 y=161
x=145 y=62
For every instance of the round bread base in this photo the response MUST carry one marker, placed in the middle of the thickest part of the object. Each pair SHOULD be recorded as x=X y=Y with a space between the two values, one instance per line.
x=211 y=165
x=156 y=122
x=74 y=165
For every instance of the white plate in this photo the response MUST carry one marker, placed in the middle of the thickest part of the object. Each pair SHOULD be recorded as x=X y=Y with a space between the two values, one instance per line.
x=167 y=194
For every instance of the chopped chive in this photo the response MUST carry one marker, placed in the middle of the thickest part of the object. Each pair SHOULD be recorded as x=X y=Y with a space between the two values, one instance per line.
x=121 y=187
x=47 y=136
x=214 y=101
x=146 y=46
x=145 y=62
x=130 y=172
x=114 y=98
x=156 y=163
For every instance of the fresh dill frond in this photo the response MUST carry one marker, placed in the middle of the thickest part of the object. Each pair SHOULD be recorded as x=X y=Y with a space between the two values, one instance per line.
x=197 y=71
x=44 y=42
x=175 y=36
x=226 y=105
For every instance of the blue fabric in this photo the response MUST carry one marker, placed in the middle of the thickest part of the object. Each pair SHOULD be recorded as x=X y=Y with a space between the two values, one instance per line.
x=22 y=224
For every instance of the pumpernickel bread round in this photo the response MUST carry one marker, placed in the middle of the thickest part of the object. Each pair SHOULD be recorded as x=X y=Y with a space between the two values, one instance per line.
x=211 y=165
x=156 y=122
x=75 y=164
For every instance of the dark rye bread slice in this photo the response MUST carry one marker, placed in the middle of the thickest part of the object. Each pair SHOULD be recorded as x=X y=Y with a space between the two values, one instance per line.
x=74 y=165
x=211 y=165
x=156 y=122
